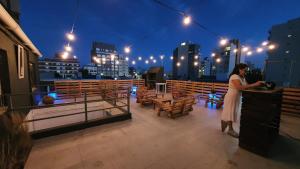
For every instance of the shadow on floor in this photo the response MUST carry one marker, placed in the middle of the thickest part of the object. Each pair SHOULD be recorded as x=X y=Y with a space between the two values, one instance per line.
x=286 y=150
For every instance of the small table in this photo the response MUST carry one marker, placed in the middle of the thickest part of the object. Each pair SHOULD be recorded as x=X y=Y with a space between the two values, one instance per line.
x=159 y=102
x=158 y=87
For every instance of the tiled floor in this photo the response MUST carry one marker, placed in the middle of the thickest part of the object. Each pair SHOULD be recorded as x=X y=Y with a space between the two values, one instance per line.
x=151 y=142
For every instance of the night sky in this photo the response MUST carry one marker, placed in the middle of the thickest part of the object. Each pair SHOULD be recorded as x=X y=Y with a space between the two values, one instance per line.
x=151 y=29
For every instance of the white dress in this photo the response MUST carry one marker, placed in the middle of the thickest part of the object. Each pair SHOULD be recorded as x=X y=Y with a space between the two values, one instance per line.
x=232 y=100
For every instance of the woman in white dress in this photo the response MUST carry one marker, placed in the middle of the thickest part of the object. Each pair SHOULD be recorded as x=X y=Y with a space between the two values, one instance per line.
x=232 y=100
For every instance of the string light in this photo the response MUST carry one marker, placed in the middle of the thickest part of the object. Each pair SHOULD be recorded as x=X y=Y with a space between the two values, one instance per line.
x=259 y=50
x=195 y=63
x=65 y=55
x=147 y=61
x=187 y=20
x=151 y=57
x=171 y=57
x=178 y=64
x=154 y=61
x=196 y=56
x=213 y=55
x=235 y=50
x=127 y=49
x=264 y=43
x=182 y=57
x=161 y=57
x=140 y=58
x=70 y=36
x=249 y=53
x=245 y=49
x=271 y=47
x=133 y=62
x=218 y=60
x=127 y=58
x=223 y=41
x=68 y=48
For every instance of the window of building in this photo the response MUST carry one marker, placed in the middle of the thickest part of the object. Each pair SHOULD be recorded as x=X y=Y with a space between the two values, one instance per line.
x=20 y=60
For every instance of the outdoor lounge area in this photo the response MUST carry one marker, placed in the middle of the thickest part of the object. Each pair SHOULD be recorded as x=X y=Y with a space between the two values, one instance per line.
x=149 y=141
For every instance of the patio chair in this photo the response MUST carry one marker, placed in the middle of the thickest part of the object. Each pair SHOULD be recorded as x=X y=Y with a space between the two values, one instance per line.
x=178 y=93
x=188 y=104
x=147 y=97
x=174 y=109
x=140 y=93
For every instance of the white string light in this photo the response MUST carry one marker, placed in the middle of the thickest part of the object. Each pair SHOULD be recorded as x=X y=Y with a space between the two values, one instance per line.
x=187 y=20
x=70 y=36
x=249 y=53
x=127 y=49
x=223 y=41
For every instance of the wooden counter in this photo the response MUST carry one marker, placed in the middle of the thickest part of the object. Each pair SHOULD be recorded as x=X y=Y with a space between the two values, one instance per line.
x=260 y=119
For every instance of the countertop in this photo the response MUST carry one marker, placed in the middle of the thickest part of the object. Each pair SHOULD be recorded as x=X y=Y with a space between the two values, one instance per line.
x=263 y=91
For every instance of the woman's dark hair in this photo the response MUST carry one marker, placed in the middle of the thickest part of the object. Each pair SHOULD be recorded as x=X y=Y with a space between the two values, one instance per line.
x=237 y=69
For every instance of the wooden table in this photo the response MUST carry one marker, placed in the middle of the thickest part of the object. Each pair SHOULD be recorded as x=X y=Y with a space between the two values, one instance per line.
x=158 y=102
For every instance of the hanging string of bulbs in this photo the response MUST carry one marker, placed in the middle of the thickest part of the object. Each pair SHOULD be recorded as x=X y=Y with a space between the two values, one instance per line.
x=70 y=36
x=187 y=20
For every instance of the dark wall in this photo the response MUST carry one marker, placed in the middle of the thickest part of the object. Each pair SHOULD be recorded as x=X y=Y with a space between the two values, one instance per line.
x=8 y=43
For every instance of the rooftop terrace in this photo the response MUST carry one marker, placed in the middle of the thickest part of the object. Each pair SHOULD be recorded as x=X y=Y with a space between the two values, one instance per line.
x=151 y=142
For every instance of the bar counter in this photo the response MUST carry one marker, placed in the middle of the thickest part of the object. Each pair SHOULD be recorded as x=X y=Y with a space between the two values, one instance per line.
x=260 y=119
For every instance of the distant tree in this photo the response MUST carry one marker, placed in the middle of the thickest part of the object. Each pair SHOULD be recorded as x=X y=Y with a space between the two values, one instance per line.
x=131 y=71
x=57 y=75
x=254 y=75
x=85 y=73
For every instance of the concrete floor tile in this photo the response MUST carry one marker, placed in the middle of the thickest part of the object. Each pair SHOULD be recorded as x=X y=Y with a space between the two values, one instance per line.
x=151 y=142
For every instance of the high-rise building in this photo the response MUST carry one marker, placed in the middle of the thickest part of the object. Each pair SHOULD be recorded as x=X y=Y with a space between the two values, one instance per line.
x=283 y=62
x=105 y=56
x=186 y=61
x=58 y=67
x=206 y=67
x=91 y=69
x=225 y=59
x=109 y=63
x=123 y=70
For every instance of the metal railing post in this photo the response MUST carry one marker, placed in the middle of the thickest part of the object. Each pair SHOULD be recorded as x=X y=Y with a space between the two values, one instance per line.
x=85 y=106
x=128 y=100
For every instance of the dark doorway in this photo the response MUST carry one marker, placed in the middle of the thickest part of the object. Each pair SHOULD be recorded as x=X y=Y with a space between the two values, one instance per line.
x=4 y=77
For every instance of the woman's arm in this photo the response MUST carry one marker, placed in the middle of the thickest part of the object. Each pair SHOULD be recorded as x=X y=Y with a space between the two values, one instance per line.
x=237 y=84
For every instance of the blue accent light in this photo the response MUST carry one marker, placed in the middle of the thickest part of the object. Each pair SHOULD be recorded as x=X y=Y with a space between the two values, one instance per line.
x=133 y=90
x=54 y=95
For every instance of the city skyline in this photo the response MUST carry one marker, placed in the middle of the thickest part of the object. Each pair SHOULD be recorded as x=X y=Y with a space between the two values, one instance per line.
x=163 y=30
